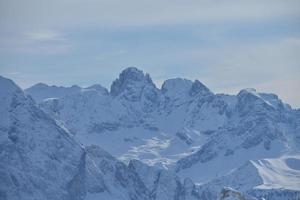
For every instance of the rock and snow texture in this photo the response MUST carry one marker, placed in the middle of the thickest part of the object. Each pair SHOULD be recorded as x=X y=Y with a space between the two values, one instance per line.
x=183 y=128
x=41 y=160
x=231 y=194
x=279 y=173
x=268 y=178
x=38 y=158
x=183 y=125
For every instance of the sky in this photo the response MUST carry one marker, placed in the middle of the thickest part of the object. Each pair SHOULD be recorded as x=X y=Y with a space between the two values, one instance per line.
x=228 y=45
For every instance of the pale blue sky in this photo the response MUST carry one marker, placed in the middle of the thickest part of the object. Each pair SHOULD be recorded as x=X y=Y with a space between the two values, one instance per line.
x=228 y=45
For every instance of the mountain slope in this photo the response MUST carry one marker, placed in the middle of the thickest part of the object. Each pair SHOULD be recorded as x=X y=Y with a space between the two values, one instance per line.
x=35 y=151
x=277 y=178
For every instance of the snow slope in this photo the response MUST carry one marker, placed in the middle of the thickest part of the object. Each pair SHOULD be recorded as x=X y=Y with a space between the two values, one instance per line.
x=276 y=178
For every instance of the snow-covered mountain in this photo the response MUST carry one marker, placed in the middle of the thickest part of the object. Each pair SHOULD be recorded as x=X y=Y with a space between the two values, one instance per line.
x=180 y=141
x=182 y=126
x=41 y=160
x=38 y=158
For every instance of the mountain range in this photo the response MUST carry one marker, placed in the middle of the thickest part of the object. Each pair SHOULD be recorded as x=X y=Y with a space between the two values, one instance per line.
x=137 y=141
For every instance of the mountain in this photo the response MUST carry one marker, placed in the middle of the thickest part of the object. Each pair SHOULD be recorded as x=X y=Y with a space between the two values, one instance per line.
x=41 y=160
x=182 y=126
x=186 y=131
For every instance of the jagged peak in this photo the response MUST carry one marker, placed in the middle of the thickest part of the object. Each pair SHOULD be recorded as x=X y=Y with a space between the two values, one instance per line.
x=132 y=70
x=130 y=76
x=134 y=74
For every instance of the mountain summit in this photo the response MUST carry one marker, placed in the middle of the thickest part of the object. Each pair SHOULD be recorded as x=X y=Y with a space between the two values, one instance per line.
x=131 y=83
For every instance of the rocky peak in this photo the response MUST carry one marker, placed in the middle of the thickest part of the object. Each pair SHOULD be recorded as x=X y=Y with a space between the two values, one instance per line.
x=250 y=101
x=131 y=83
x=176 y=86
x=199 y=88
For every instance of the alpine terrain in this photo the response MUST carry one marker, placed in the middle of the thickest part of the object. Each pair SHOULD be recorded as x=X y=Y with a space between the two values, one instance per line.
x=136 y=141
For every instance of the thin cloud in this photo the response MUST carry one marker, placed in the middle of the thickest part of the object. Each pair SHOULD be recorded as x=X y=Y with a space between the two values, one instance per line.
x=117 y=13
x=44 y=36
x=35 y=42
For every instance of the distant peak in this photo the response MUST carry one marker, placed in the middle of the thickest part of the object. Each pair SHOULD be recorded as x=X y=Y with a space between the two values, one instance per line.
x=40 y=85
x=132 y=70
x=249 y=90
x=130 y=76
x=98 y=88
x=199 y=88
x=45 y=86
x=133 y=73
x=178 y=84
